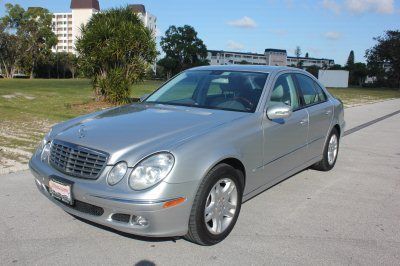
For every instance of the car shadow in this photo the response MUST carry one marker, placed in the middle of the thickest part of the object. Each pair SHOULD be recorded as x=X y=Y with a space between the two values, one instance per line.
x=166 y=239
x=127 y=235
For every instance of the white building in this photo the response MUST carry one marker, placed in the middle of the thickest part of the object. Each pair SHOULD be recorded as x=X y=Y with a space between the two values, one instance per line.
x=334 y=78
x=272 y=57
x=67 y=26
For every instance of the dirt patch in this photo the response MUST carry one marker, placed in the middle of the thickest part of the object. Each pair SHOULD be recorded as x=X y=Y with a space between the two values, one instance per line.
x=92 y=106
x=18 y=94
x=8 y=97
x=17 y=142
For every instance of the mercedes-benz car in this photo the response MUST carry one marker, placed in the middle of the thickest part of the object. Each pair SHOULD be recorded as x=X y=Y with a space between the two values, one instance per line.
x=182 y=161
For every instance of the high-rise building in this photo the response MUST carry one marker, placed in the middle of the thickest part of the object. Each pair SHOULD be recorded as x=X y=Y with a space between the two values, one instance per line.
x=67 y=26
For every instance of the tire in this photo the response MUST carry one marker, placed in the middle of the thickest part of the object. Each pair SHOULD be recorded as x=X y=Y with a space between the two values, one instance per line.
x=326 y=164
x=213 y=191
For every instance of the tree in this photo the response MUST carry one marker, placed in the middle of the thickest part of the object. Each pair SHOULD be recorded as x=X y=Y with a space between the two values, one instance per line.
x=115 y=50
x=384 y=57
x=8 y=54
x=183 y=49
x=350 y=60
x=72 y=64
x=336 y=67
x=34 y=37
x=297 y=52
x=243 y=62
x=314 y=70
x=359 y=74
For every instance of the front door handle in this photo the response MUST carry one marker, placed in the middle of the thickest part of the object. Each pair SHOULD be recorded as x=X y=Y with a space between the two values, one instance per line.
x=303 y=122
x=328 y=112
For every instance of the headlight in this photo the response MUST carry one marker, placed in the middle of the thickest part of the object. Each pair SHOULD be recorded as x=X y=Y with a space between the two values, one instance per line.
x=151 y=170
x=117 y=173
x=44 y=141
x=44 y=156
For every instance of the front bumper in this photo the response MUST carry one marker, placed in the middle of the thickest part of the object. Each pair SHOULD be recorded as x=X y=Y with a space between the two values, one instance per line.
x=116 y=207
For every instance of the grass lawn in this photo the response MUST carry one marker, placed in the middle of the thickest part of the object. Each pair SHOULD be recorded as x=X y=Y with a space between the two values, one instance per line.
x=53 y=100
x=358 y=96
x=28 y=108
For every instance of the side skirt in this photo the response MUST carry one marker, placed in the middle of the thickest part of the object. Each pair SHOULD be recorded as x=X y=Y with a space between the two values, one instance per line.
x=279 y=179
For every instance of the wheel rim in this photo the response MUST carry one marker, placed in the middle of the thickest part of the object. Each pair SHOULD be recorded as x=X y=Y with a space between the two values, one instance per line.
x=332 y=149
x=221 y=206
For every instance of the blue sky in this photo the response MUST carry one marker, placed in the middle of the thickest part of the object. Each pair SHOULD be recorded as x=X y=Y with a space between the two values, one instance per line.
x=324 y=28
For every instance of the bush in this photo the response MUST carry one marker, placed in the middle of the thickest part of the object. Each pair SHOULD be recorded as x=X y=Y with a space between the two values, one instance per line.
x=115 y=88
x=115 y=50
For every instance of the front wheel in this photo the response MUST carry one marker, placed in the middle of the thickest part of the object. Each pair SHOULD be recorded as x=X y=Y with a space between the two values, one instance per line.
x=330 y=153
x=216 y=206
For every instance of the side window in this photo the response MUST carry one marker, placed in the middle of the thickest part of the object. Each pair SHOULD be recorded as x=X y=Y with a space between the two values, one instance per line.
x=215 y=86
x=307 y=88
x=284 y=91
x=320 y=91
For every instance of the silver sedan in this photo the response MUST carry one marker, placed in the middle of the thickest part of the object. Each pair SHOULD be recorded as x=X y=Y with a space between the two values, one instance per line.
x=181 y=162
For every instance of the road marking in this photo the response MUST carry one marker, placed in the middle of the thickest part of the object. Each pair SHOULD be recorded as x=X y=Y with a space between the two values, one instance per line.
x=357 y=128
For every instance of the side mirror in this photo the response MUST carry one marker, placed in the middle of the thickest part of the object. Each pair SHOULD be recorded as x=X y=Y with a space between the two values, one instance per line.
x=143 y=97
x=279 y=111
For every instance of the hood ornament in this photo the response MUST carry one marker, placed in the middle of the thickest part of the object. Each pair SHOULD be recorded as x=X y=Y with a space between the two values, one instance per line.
x=82 y=132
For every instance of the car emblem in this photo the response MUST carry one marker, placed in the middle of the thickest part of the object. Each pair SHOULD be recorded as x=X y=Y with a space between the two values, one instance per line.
x=82 y=132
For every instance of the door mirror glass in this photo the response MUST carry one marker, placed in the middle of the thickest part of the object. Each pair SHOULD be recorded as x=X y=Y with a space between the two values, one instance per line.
x=279 y=111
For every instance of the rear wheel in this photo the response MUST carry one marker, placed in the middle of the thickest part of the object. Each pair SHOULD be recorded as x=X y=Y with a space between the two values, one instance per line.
x=330 y=153
x=216 y=206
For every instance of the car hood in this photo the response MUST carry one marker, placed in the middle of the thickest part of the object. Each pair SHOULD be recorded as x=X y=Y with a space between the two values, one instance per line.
x=140 y=128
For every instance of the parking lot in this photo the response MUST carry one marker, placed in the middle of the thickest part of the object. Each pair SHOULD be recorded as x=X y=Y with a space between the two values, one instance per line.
x=349 y=215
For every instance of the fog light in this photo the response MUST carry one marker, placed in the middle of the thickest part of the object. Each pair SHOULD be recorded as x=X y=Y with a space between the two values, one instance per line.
x=140 y=220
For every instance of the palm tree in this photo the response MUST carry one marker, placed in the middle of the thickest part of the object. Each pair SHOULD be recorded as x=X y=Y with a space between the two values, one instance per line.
x=115 y=51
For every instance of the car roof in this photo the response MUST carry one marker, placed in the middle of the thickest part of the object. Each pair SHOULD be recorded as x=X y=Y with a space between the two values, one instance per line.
x=256 y=68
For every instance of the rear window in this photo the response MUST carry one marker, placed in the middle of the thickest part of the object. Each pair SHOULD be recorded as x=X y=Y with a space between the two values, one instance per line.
x=308 y=89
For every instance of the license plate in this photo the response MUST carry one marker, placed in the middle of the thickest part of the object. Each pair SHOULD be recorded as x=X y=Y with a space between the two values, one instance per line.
x=61 y=191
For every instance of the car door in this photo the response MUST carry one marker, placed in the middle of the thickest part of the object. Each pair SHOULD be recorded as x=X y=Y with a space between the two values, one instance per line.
x=320 y=112
x=285 y=140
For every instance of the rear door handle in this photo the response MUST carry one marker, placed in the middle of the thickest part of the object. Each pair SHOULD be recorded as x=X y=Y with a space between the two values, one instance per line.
x=328 y=112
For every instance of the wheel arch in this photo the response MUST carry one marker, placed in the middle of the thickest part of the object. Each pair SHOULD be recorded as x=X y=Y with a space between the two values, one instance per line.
x=339 y=130
x=238 y=165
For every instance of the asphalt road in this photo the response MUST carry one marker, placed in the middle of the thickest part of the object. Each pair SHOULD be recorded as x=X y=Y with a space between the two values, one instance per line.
x=350 y=215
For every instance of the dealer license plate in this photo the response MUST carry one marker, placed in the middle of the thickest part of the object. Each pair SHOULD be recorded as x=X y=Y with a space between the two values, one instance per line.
x=61 y=191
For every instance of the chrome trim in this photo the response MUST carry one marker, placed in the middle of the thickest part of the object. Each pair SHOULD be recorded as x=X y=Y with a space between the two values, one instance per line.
x=70 y=159
x=133 y=201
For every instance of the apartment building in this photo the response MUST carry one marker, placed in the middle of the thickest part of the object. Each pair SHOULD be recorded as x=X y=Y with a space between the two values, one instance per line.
x=272 y=57
x=67 y=26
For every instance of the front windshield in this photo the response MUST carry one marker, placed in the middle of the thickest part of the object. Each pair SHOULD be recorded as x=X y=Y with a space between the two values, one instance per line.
x=225 y=90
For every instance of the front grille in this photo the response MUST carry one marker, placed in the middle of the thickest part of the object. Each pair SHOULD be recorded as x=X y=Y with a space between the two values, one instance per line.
x=87 y=208
x=76 y=160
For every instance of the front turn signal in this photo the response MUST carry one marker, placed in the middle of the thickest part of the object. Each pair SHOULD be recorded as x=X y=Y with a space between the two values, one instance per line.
x=174 y=202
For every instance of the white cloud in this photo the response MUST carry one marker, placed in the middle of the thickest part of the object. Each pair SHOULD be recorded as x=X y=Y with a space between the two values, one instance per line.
x=244 y=22
x=379 y=6
x=333 y=35
x=331 y=5
x=360 y=6
x=235 y=46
